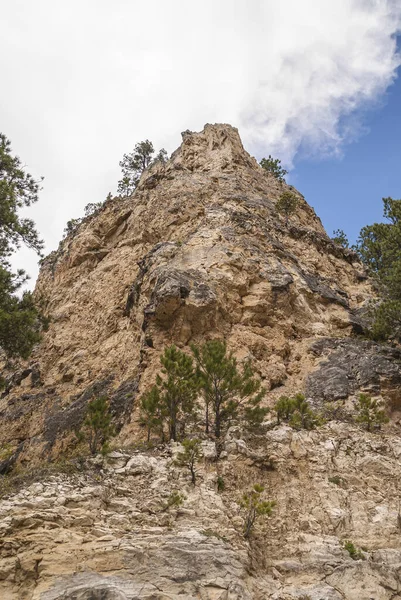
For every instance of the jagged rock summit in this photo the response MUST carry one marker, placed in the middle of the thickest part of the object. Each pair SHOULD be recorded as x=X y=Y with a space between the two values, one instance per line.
x=200 y=251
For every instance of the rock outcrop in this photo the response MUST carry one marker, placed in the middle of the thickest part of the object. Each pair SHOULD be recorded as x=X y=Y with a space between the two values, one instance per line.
x=198 y=252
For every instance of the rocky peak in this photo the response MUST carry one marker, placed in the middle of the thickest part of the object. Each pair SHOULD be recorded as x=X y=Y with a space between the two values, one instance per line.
x=200 y=251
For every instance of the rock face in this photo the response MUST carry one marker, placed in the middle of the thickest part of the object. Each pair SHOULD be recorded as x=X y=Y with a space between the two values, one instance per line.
x=200 y=251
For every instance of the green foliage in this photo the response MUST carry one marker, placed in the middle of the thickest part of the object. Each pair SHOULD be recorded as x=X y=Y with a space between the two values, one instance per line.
x=297 y=412
x=273 y=166
x=19 y=318
x=211 y=533
x=173 y=398
x=229 y=392
x=370 y=412
x=19 y=325
x=6 y=451
x=336 y=479
x=339 y=237
x=174 y=500
x=97 y=429
x=133 y=165
x=287 y=204
x=189 y=456
x=254 y=507
x=220 y=484
x=284 y=408
x=93 y=207
x=354 y=552
x=152 y=415
x=18 y=190
x=72 y=226
x=379 y=247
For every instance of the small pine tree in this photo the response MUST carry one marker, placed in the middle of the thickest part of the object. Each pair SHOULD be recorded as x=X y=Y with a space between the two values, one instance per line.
x=273 y=166
x=229 y=393
x=284 y=408
x=370 y=413
x=339 y=237
x=151 y=412
x=92 y=208
x=189 y=456
x=254 y=506
x=173 y=399
x=97 y=428
x=133 y=165
x=297 y=412
x=287 y=204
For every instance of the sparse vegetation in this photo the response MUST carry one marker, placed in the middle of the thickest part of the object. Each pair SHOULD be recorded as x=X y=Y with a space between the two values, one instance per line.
x=220 y=484
x=273 y=167
x=379 y=247
x=229 y=392
x=134 y=163
x=339 y=237
x=287 y=204
x=173 y=399
x=371 y=413
x=19 y=323
x=152 y=415
x=190 y=455
x=336 y=479
x=97 y=429
x=354 y=552
x=174 y=500
x=255 y=507
x=297 y=412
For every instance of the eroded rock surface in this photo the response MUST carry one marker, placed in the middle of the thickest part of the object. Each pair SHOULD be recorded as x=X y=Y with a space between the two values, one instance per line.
x=107 y=533
x=200 y=251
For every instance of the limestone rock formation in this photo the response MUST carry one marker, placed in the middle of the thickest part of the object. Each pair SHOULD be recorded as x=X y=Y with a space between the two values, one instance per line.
x=200 y=251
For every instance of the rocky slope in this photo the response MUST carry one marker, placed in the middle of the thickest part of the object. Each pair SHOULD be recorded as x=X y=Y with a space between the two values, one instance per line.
x=200 y=251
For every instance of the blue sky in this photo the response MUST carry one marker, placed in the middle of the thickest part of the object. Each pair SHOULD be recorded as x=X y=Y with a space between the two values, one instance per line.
x=346 y=192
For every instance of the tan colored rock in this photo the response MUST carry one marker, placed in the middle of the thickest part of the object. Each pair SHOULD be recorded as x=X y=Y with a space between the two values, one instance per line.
x=198 y=252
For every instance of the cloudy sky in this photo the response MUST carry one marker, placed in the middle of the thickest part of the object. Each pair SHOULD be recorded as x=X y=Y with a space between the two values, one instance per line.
x=304 y=80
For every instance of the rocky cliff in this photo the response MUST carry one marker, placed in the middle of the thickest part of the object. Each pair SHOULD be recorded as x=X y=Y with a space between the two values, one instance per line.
x=200 y=251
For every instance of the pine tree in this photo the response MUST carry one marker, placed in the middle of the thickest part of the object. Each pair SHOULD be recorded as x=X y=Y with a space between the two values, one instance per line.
x=370 y=412
x=287 y=204
x=190 y=456
x=19 y=319
x=284 y=408
x=339 y=237
x=255 y=507
x=152 y=412
x=97 y=428
x=379 y=247
x=297 y=412
x=273 y=166
x=179 y=388
x=133 y=165
x=228 y=392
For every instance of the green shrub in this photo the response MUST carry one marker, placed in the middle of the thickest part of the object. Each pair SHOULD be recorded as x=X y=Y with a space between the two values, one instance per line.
x=287 y=204
x=297 y=412
x=220 y=484
x=370 y=413
x=273 y=167
x=336 y=479
x=353 y=551
x=174 y=500
x=97 y=429
x=254 y=507
x=189 y=456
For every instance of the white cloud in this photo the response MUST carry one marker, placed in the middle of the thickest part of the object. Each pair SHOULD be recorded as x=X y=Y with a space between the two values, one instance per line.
x=83 y=81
